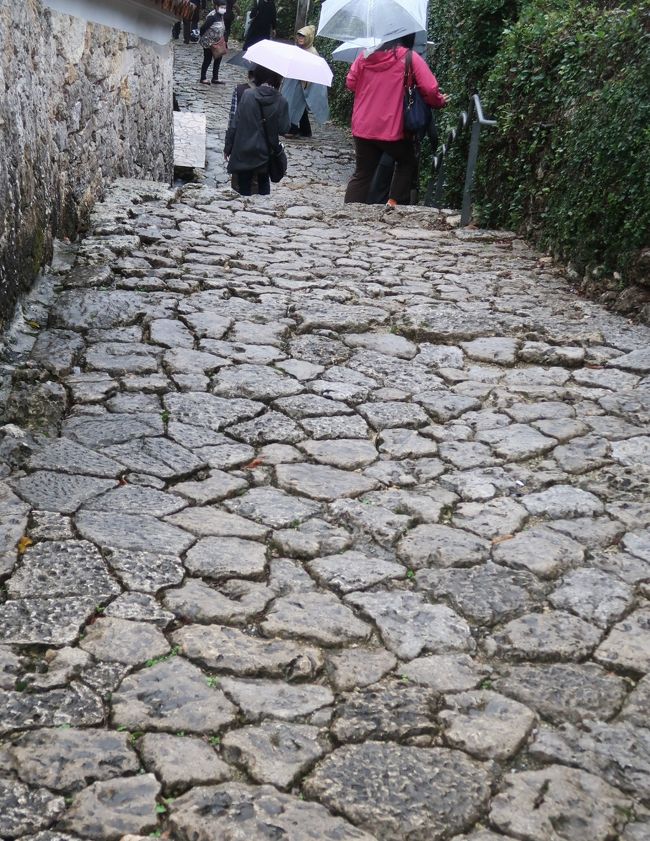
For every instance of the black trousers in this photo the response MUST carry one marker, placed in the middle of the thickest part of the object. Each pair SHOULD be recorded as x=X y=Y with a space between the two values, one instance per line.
x=207 y=58
x=368 y=154
x=246 y=180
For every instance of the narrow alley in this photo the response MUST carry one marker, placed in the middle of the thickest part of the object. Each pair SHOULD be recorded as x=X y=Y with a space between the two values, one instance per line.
x=319 y=521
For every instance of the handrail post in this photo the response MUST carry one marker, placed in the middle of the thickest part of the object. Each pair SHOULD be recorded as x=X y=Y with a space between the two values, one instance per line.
x=440 y=184
x=466 y=211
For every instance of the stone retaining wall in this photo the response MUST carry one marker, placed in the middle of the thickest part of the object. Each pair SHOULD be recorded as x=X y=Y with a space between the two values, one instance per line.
x=81 y=104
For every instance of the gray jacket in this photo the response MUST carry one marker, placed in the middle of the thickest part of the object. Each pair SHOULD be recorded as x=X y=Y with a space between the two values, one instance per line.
x=246 y=142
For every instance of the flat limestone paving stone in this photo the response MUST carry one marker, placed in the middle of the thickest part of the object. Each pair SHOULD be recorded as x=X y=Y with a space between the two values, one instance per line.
x=272 y=507
x=351 y=570
x=172 y=695
x=628 y=644
x=105 y=430
x=445 y=672
x=231 y=650
x=25 y=810
x=124 y=641
x=108 y=810
x=74 y=706
x=11 y=666
x=593 y=595
x=156 y=456
x=77 y=308
x=216 y=487
x=384 y=526
x=137 y=499
x=485 y=724
x=562 y=692
x=123 y=358
x=62 y=568
x=532 y=804
x=275 y=752
x=337 y=427
x=225 y=557
x=555 y=635
x=345 y=453
x=134 y=532
x=139 y=607
x=319 y=617
x=55 y=621
x=216 y=413
x=61 y=492
x=311 y=538
x=70 y=759
x=311 y=406
x=321 y=482
x=215 y=523
x=145 y=572
x=540 y=550
x=444 y=406
x=592 y=532
x=562 y=501
x=388 y=343
x=256 y=813
x=395 y=791
x=355 y=667
x=256 y=382
x=441 y=546
x=67 y=456
x=410 y=626
x=182 y=761
x=484 y=594
x=339 y=317
x=392 y=711
x=235 y=603
x=259 y=699
x=637 y=543
x=393 y=414
x=617 y=752
x=269 y=428
x=494 y=518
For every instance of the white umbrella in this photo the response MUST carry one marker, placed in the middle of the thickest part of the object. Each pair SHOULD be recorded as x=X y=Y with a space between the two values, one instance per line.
x=381 y=20
x=351 y=49
x=290 y=61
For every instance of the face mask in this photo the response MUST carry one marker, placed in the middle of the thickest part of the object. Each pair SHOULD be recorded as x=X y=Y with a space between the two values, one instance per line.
x=222 y=10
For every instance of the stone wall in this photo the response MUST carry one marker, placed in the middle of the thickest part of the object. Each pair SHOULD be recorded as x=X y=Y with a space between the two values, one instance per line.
x=80 y=105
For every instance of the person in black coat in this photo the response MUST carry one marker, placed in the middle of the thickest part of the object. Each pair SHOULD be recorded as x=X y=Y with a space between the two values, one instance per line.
x=248 y=139
x=263 y=22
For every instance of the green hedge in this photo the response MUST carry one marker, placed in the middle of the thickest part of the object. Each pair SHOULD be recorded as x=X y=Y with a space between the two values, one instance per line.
x=568 y=164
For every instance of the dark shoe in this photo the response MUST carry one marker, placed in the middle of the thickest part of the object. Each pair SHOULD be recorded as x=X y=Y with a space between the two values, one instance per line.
x=218 y=82
x=204 y=82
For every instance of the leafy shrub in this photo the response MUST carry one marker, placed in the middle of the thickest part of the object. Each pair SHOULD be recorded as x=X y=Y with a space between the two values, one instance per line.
x=570 y=89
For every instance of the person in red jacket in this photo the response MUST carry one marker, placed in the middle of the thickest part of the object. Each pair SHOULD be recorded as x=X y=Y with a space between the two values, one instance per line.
x=378 y=118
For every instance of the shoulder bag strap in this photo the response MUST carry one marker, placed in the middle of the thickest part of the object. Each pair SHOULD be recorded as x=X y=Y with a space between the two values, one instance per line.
x=408 y=70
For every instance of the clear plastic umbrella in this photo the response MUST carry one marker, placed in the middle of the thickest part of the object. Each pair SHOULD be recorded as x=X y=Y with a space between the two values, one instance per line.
x=379 y=20
x=349 y=50
x=290 y=61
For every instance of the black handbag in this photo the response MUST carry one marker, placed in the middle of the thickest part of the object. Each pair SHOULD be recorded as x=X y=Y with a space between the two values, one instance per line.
x=417 y=114
x=277 y=155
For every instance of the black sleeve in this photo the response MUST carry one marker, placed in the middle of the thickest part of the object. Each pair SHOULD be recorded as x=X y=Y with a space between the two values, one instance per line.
x=207 y=23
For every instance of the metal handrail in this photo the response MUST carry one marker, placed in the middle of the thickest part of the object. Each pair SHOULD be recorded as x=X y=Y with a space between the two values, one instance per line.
x=438 y=164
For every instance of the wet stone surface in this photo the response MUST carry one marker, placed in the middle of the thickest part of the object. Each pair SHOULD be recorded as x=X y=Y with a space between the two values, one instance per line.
x=340 y=517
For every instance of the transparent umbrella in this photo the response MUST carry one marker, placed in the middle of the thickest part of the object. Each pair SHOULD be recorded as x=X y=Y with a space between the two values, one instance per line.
x=349 y=50
x=379 y=20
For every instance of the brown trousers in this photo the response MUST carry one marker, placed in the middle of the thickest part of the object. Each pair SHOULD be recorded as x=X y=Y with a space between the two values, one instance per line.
x=368 y=153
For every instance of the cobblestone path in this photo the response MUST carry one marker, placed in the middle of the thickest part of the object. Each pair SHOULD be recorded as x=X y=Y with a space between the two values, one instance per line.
x=339 y=528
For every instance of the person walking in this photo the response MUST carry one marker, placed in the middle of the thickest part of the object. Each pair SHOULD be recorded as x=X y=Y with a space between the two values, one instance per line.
x=232 y=10
x=191 y=23
x=212 y=32
x=261 y=117
x=378 y=84
x=304 y=97
x=263 y=22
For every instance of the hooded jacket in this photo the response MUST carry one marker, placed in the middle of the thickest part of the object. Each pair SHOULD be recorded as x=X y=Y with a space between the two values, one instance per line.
x=308 y=33
x=246 y=142
x=378 y=86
